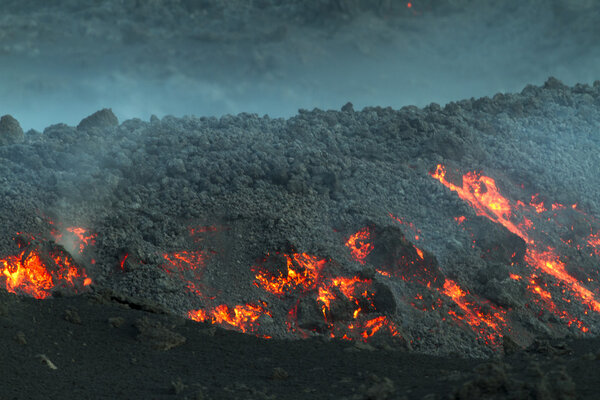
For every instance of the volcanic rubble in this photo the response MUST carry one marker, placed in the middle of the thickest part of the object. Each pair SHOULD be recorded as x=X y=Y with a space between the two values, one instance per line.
x=466 y=230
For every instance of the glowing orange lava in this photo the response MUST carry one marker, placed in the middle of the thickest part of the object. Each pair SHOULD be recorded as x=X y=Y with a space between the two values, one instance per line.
x=85 y=239
x=359 y=245
x=481 y=193
x=302 y=272
x=30 y=273
x=537 y=204
x=549 y=263
x=347 y=286
x=241 y=317
x=473 y=314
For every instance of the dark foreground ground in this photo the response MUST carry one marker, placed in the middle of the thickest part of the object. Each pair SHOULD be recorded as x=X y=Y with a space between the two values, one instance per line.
x=103 y=346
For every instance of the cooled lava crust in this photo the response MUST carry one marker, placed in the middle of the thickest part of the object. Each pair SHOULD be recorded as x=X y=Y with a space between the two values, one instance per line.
x=470 y=230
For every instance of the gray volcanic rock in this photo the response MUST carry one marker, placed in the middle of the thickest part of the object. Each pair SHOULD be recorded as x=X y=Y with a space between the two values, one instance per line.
x=99 y=119
x=10 y=130
x=188 y=212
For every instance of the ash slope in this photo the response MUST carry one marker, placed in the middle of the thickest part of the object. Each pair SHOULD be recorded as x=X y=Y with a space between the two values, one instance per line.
x=303 y=183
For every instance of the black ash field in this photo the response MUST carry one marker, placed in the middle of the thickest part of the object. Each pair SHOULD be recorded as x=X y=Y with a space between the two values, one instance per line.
x=417 y=252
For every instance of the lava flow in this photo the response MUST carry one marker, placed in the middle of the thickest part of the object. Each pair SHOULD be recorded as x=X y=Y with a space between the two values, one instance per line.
x=315 y=296
x=306 y=278
x=402 y=259
x=482 y=194
x=473 y=313
x=39 y=268
x=301 y=273
x=241 y=317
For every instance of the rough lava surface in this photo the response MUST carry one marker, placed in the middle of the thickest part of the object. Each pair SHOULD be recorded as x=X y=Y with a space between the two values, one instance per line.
x=202 y=214
x=351 y=225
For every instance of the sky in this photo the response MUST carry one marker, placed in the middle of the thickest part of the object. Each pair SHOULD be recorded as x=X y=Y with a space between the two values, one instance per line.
x=418 y=59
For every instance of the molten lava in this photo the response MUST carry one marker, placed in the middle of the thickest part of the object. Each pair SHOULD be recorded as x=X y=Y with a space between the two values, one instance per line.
x=72 y=237
x=27 y=273
x=36 y=274
x=473 y=314
x=241 y=317
x=359 y=245
x=302 y=273
x=482 y=194
x=85 y=238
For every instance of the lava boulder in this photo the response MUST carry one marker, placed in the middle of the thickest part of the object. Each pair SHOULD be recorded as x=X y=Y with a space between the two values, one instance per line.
x=10 y=131
x=497 y=243
x=99 y=119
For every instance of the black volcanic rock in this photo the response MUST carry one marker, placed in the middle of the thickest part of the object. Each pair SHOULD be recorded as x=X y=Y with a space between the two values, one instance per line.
x=497 y=243
x=394 y=253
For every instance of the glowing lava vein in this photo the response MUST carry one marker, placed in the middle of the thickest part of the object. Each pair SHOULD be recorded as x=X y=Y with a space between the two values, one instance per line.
x=482 y=194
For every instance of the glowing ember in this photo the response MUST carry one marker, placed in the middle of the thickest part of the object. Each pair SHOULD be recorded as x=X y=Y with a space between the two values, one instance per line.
x=241 y=317
x=85 y=239
x=409 y=225
x=302 y=272
x=384 y=273
x=594 y=242
x=123 y=259
x=184 y=260
x=537 y=204
x=202 y=229
x=419 y=253
x=36 y=275
x=473 y=315
x=199 y=233
x=359 y=245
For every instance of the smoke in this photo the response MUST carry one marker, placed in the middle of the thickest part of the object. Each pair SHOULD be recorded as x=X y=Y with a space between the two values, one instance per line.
x=63 y=62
